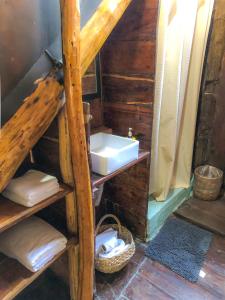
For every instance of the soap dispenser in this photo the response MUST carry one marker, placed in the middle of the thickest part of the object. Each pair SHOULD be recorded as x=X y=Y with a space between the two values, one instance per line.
x=130 y=133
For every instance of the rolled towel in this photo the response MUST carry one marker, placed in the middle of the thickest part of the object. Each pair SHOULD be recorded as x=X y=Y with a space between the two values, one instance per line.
x=104 y=237
x=33 y=242
x=31 y=188
x=118 y=249
x=109 y=245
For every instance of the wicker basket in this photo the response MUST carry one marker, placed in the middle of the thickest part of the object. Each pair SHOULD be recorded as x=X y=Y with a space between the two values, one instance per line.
x=116 y=263
x=208 y=181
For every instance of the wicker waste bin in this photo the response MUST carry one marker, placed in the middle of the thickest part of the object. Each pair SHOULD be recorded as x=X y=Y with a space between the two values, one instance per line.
x=208 y=181
x=116 y=263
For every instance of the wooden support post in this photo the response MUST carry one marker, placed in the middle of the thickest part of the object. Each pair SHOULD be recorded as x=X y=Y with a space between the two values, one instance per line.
x=71 y=204
x=74 y=106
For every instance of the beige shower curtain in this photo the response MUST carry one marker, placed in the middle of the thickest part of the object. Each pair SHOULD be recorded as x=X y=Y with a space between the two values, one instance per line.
x=181 y=41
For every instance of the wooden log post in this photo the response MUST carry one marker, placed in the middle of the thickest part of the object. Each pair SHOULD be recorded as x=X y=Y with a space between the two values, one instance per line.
x=27 y=126
x=78 y=148
x=71 y=203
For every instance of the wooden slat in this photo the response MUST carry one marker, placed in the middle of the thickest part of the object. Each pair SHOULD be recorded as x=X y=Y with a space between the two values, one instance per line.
x=12 y=213
x=98 y=179
x=78 y=147
x=14 y=277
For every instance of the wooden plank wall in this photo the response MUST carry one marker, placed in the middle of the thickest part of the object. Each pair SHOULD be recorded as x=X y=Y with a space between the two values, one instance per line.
x=128 y=71
x=128 y=77
x=210 y=141
x=89 y=83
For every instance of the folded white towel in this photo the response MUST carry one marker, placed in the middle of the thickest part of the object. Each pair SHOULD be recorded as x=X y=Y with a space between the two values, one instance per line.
x=104 y=238
x=33 y=242
x=31 y=188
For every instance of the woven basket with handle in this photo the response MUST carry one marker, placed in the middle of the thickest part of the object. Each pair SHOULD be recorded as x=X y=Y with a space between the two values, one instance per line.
x=117 y=262
x=208 y=181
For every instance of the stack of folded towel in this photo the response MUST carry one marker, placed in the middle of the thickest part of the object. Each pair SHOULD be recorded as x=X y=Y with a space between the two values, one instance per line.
x=108 y=245
x=33 y=242
x=31 y=188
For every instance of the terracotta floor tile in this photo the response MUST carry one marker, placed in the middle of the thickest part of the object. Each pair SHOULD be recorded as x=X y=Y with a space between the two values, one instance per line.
x=116 y=281
x=141 y=289
x=139 y=254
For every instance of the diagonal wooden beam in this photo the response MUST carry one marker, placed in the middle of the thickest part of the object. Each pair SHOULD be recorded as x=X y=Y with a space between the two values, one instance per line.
x=22 y=127
x=27 y=126
x=98 y=29
x=78 y=147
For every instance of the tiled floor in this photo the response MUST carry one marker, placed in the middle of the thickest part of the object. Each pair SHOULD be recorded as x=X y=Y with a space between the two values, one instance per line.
x=144 y=279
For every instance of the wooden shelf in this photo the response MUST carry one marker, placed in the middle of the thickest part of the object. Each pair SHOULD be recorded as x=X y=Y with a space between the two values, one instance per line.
x=98 y=179
x=11 y=213
x=14 y=277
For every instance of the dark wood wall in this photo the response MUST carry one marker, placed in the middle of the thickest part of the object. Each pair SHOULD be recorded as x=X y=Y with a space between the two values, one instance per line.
x=128 y=71
x=89 y=80
x=210 y=137
x=128 y=77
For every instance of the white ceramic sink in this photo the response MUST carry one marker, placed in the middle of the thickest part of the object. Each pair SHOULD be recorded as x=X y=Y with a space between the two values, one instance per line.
x=111 y=152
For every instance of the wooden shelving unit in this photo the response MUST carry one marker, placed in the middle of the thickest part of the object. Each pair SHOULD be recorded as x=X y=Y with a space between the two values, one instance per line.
x=12 y=213
x=14 y=277
x=98 y=179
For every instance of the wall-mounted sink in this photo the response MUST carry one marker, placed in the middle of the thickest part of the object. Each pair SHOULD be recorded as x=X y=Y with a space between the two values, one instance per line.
x=111 y=152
